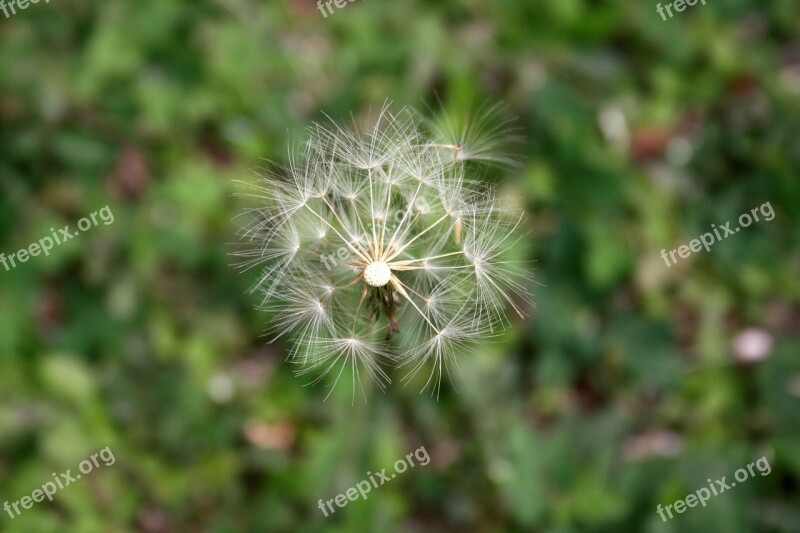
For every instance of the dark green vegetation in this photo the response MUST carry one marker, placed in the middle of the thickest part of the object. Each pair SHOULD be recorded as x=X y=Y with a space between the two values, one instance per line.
x=621 y=392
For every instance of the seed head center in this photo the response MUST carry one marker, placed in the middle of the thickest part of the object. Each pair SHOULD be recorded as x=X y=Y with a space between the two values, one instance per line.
x=377 y=274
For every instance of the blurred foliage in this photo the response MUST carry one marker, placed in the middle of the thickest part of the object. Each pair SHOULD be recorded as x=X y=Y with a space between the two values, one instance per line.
x=625 y=389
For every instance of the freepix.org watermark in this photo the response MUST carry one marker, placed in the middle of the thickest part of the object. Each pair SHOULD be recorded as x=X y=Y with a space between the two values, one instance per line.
x=679 y=5
x=707 y=239
x=327 y=4
x=60 y=481
x=13 y=5
x=45 y=244
x=364 y=486
x=716 y=488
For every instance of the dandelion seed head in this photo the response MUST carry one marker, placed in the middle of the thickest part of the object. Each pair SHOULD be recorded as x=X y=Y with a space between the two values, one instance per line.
x=377 y=274
x=378 y=244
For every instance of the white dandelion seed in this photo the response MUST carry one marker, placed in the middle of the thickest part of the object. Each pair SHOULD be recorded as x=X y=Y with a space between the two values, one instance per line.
x=378 y=246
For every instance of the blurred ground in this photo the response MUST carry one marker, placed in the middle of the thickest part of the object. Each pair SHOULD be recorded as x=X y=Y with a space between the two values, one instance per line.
x=630 y=386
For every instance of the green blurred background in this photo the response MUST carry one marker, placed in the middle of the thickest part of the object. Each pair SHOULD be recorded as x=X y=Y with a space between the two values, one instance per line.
x=629 y=386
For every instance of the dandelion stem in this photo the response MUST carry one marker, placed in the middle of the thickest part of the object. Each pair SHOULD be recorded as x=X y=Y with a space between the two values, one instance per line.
x=403 y=268
x=420 y=234
x=344 y=226
x=406 y=261
x=386 y=220
x=405 y=216
x=421 y=297
x=455 y=147
x=372 y=209
x=398 y=285
x=352 y=248
x=360 y=303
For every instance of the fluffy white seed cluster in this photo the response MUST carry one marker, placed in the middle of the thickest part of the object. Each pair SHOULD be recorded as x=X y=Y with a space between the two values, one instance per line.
x=378 y=246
